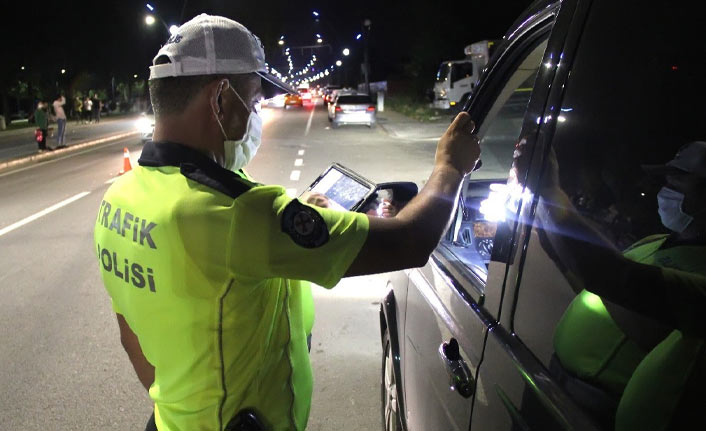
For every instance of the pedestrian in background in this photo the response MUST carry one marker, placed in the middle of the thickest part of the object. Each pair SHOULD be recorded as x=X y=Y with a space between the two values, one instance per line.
x=96 y=108
x=58 y=106
x=87 y=105
x=78 y=109
x=41 y=118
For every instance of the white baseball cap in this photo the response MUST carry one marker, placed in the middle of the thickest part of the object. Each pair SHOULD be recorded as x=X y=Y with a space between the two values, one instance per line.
x=215 y=45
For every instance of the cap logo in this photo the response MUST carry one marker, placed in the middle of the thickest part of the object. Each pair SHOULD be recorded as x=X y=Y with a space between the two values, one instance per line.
x=175 y=38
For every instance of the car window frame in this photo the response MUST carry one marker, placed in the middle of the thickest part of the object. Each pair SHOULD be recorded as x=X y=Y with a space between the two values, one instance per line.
x=493 y=81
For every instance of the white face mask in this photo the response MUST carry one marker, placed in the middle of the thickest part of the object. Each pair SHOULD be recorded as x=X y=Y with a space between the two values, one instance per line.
x=238 y=153
x=673 y=217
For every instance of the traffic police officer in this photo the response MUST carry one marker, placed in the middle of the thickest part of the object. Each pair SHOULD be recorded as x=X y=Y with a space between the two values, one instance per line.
x=202 y=264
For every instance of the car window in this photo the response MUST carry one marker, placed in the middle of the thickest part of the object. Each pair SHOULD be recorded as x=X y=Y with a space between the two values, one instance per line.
x=461 y=71
x=607 y=296
x=357 y=100
x=470 y=237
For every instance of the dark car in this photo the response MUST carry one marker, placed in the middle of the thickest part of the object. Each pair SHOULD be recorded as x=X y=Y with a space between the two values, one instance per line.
x=558 y=298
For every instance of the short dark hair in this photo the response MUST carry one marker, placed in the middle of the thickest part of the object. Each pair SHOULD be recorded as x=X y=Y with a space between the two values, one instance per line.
x=171 y=95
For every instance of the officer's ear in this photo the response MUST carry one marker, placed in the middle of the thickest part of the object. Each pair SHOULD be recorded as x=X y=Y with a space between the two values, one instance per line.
x=217 y=98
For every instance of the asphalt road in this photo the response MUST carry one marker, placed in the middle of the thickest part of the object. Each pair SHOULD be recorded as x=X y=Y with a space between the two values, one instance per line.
x=63 y=367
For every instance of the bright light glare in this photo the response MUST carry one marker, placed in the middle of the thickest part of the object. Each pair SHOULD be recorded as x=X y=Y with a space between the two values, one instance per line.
x=339 y=62
x=149 y=6
x=315 y=13
x=63 y=71
x=346 y=51
x=493 y=208
x=149 y=20
x=502 y=198
x=173 y=29
x=358 y=36
x=134 y=76
x=281 y=42
x=319 y=40
x=144 y=125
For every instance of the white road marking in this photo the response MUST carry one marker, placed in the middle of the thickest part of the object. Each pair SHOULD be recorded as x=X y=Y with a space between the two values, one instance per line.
x=298 y=162
x=294 y=176
x=112 y=180
x=41 y=213
x=308 y=123
x=292 y=193
x=300 y=153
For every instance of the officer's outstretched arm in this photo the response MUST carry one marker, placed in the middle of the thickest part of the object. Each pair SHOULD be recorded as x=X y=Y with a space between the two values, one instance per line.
x=408 y=239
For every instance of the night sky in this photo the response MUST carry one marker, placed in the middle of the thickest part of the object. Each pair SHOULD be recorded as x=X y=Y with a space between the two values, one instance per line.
x=110 y=38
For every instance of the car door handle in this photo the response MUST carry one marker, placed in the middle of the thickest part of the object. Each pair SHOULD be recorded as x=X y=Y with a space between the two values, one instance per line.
x=460 y=377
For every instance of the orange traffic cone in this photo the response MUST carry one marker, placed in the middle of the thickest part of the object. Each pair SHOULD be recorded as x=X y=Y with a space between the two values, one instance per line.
x=126 y=162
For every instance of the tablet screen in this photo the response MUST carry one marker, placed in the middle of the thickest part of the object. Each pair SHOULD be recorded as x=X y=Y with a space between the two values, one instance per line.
x=342 y=191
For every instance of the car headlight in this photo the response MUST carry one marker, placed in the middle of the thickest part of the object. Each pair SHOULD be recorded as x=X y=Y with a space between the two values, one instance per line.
x=144 y=125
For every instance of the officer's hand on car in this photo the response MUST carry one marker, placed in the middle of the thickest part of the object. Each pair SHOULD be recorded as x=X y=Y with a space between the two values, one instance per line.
x=458 y=147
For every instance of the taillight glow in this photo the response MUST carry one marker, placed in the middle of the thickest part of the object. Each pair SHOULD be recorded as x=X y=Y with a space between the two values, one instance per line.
x=338 y=109
x=370 y=109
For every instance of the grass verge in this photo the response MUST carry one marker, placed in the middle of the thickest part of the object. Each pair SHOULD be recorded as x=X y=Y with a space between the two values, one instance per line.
x=414 y=108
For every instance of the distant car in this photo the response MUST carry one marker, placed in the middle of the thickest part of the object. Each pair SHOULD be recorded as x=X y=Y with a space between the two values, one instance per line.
x=353 y=109
x=293 y=100
x=305 y=95
x=145 y=125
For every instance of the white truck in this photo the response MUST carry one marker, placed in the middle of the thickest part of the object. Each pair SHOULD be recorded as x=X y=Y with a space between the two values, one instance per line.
x=456 y=78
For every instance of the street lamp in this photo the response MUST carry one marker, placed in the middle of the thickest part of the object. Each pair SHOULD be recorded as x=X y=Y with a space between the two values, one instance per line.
x=319 y=40
x=63 y=71
x=134 y=76
x=149 y=20
x=339 y=63
x=280 y=43
x=22 y=68
x=346 y=51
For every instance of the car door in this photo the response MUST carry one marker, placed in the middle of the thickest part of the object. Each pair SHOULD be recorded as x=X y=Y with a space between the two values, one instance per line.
x=454 y=300
x=610 y=114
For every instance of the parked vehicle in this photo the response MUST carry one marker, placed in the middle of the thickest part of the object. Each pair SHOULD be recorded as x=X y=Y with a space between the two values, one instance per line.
x=353 y=109
x=456 y=79
x=581 y=97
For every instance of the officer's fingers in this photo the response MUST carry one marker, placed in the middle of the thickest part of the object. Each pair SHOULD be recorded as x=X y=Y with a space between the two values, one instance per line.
x=461 y=122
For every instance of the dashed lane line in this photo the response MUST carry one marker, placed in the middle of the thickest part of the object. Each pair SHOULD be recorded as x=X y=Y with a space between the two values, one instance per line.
x=298 y=162
x=308 y=123
x=42 y=213
x=294 y=176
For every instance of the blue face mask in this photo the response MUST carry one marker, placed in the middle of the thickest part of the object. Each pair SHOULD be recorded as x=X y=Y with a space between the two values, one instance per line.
x=670 y=202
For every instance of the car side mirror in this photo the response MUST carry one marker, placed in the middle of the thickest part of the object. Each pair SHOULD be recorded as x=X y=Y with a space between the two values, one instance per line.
x=389 y=198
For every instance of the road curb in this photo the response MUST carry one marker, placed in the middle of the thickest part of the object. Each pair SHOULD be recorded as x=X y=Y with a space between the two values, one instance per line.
x=53 y=154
